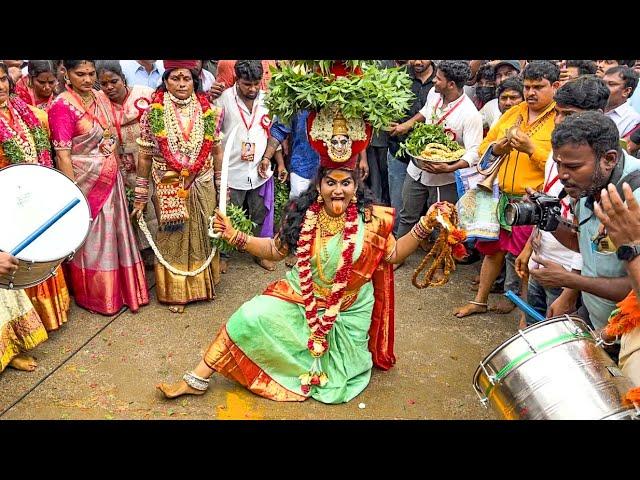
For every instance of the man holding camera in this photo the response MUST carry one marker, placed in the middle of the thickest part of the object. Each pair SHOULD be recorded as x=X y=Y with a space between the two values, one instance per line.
x=588 y=155
x=520 y=141
x=588 y=92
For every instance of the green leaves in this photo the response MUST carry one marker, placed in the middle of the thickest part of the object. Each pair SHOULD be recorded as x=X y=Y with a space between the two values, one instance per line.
x=281 y=199
x=423 y=134
x=380 y=96
x=240 y=221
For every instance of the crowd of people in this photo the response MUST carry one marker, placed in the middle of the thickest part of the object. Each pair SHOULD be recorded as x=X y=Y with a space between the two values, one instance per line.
x=144 y=140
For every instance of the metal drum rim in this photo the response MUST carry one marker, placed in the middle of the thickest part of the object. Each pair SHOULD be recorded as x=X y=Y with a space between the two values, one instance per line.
x=84 y=239
x=511 y=339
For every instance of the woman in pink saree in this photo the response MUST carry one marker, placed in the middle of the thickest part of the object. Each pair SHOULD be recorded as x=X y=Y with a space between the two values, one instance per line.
x=107 y=272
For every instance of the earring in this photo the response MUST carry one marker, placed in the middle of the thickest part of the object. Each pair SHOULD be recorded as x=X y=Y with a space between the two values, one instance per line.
x=66 y=80
x=354 y=199
x=320 y=199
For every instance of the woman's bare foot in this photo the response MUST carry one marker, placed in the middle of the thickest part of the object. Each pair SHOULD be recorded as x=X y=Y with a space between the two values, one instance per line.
x=291 y=260
x=502 y=306
x=178 y=389
x=223 y=266
x=266 y=264
x=470 y=309
x=24 y=362
x=176 y=308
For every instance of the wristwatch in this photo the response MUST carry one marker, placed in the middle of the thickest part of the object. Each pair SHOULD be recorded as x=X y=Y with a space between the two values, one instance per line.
x=628 y=252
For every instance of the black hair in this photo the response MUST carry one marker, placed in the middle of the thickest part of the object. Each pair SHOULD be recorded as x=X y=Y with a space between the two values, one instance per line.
x=249 y=70
x=585 y=67
x=588 y=128
x=539 y=69
x=487 y=72
x=197 y=84
x=297 y=207
x=511 y=83
x=71 y=64
x=627 y=74
x=36 y=67
x=588 y=92
x=12 y=85
x=112 y=66
x=456 y=71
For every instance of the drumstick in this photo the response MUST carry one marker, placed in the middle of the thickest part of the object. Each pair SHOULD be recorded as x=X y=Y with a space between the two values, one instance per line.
x=44 y=227
x=524 y=306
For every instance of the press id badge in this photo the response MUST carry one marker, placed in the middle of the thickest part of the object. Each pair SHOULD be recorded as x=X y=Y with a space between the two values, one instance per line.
x=247 y=151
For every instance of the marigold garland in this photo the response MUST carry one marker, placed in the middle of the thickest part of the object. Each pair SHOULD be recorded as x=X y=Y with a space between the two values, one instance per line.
x=320 y=327
x=157 y=113
x=11 y=142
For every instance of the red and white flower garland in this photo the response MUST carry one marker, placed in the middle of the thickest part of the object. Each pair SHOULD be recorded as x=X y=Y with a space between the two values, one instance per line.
x=320 y=327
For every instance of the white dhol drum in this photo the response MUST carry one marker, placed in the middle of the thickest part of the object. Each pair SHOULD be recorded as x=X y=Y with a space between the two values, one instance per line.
x=553 y=370
x=30 y=195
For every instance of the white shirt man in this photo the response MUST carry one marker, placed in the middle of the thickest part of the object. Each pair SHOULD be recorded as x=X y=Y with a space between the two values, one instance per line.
x=625 y=118
x=243 y=174
x=490 y=113
x=462 y=118
x=136 y=74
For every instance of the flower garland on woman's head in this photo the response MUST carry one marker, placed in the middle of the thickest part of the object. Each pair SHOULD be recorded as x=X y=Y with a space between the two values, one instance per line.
x=320 y=327
x=171 y=142
x=37 y=141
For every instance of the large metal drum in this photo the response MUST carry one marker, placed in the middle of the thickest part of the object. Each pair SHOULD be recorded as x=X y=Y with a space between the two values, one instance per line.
x=30 y=194
x=553 y=370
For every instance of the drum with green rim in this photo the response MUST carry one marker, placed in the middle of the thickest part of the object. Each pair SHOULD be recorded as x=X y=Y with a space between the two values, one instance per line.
x=554 y=369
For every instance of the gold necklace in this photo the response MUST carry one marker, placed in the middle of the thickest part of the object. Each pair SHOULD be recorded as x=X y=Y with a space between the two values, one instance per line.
x=320 y=250
x=330 y=224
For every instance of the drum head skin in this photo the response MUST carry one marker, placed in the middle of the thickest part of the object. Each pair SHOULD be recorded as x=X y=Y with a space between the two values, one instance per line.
x=30 y=195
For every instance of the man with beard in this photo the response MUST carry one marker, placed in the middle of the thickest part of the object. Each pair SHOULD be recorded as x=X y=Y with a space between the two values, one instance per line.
x=622 y=81
x=605 y=65
x=588 y=155
x=422 y=73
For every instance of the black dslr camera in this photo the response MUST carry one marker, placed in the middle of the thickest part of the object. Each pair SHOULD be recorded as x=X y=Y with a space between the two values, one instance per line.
x=540 y=209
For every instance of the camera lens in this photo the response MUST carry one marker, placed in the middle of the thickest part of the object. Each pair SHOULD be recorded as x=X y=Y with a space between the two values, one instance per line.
x=511 y=213
x=522 y=213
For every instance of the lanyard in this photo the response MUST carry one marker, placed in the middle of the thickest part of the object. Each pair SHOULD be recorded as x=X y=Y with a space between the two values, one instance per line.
x=456 y=105
x=93 y=117
x=118 y=121
x=253 y=114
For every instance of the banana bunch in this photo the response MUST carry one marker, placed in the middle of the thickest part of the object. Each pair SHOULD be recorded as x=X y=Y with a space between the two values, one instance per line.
x=438 y=151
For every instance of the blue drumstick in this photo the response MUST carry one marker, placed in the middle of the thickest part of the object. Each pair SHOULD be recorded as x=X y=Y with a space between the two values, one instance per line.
x=44 y=227
x=524 y=306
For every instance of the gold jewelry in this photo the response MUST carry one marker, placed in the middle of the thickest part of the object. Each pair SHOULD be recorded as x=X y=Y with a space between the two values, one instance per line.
x=321 y=257
x=330 y=224
x=354 y=199
x=320 y=199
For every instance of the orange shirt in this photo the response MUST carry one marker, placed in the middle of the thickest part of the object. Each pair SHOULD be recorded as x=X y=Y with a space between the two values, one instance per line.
x=520 y=170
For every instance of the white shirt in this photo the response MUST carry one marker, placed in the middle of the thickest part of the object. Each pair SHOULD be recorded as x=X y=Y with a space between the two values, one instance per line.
x=464 y=120
x=550 y=248
x=207 y=79
x=625 y=118
x=490 y=113
x=136 y=74
x=243 y=175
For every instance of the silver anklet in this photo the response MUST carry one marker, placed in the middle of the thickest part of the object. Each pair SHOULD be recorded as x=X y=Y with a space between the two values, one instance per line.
x=194 y=381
